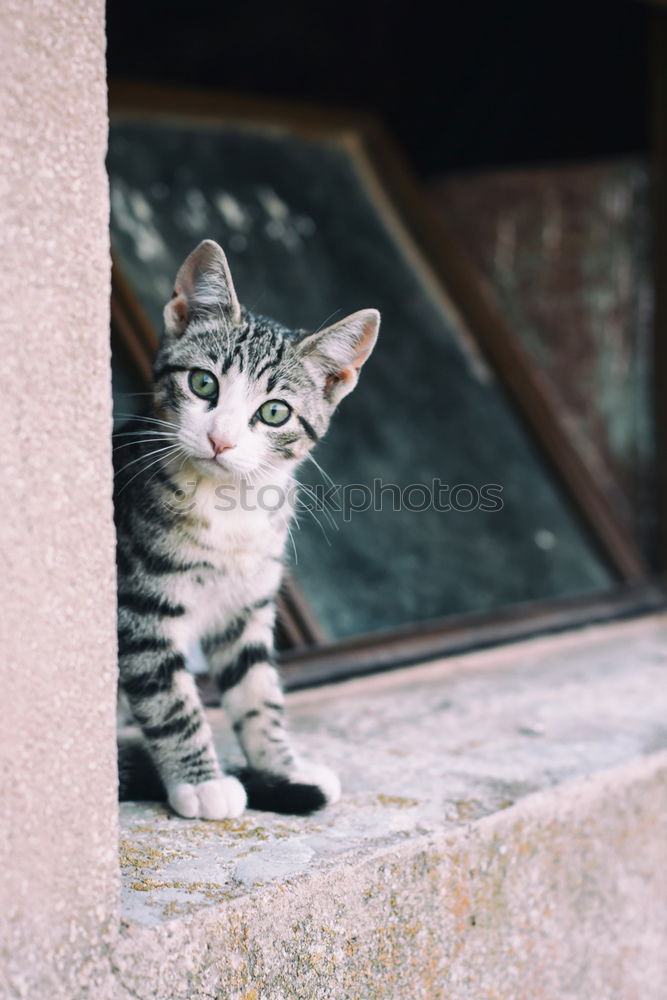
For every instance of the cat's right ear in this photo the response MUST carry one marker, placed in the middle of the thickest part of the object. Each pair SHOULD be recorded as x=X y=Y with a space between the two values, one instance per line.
x=203 y=287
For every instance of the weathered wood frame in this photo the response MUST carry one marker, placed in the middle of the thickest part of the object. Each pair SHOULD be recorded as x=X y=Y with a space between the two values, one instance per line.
x=444 y=266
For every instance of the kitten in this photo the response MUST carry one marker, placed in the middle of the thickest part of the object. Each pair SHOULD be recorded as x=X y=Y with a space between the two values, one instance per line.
x=238 y=401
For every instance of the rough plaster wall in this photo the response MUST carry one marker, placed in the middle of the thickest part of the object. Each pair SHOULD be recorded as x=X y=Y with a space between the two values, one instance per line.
x=57 y=643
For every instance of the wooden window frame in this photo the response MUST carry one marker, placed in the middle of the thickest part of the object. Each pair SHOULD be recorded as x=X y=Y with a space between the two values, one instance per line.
x=312 y=658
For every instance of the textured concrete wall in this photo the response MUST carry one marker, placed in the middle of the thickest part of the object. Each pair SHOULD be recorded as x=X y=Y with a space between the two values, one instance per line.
x=502 y=836
x=58 y=815
x=559 y=897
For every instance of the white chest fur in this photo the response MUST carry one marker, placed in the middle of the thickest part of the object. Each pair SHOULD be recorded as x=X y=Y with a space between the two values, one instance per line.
x=243 y=537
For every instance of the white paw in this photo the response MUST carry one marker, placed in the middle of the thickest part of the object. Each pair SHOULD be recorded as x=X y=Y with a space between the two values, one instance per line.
x=220 y=798
x=320 y=775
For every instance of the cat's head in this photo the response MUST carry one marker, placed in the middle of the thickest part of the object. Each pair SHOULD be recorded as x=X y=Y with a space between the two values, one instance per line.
x=246 y=395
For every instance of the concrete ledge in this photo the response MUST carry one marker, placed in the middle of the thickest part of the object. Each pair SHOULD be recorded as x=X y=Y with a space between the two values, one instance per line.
x=503 y=835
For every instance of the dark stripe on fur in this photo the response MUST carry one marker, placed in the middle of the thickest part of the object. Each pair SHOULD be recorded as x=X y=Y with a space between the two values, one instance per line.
x=159 y=564
x=247 y=658
x=233 y=632
x=128 y=646
x=240 y=723
x=177 y=707
x=308 y=428
x=153 y=681
x=264 y=368
x=189 y=724
x=262 y=602
x=147 y=604
x=196 y=755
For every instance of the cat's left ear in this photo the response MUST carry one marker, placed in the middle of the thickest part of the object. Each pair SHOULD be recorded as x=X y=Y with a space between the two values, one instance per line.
x=340 y=351
x=203 y=286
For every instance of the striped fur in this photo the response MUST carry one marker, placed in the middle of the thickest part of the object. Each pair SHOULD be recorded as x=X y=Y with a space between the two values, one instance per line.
x=201 y=536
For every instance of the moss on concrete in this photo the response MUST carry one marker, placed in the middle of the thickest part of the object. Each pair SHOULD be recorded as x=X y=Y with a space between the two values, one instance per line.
x=483 y=863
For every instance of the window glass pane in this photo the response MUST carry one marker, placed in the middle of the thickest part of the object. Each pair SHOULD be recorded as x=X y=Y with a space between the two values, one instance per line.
x=460 y=511
x=567 y=250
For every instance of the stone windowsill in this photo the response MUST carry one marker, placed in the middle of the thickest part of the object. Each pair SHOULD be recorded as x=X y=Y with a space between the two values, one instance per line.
x=491 y=802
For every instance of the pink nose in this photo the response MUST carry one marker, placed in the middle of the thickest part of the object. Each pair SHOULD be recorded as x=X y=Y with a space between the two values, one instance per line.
x=220 y=444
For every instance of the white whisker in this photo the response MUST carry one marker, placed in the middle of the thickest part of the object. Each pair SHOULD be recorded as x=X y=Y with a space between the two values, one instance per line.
x=322 y=472
x=145 y=419
x=161 y=458
x=144 y=430
x=318 y=504
x=317 y=521
x=329 y=317
x=129 y=444
x=149 y=454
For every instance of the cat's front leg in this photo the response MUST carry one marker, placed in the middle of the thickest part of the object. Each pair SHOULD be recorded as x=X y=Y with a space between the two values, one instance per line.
x=241 y=658
x=164 y=702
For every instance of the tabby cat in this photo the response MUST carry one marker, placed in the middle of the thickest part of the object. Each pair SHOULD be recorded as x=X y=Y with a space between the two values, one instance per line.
x=238 y=401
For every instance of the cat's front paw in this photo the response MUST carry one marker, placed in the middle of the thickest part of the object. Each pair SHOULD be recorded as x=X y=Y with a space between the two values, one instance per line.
x=321 y=776
x=220 y=798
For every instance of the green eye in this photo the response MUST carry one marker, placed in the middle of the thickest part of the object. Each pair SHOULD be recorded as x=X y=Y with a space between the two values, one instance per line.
x=274 y=413
x=203 y=384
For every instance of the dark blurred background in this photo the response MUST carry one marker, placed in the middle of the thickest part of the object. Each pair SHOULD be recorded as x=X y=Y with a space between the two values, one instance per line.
x=460 y=84
x=529 y=126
